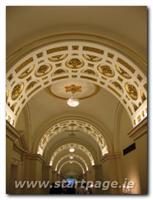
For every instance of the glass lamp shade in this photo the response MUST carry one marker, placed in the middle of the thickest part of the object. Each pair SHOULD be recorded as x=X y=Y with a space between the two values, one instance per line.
x=72 y=102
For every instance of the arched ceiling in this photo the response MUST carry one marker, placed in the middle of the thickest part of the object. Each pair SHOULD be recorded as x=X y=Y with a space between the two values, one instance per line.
x=100 y=108
x=71 y=157
x=73 y=126
x=124 y=24
x=69 y=165
x=77 y=147
x=79 y=64
x=71 y=170
x=64 y=155
x=101 y=44
x=54 y=152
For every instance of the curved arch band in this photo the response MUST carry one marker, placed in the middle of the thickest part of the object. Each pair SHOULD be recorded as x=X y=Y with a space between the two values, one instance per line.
x=73 y=125
x=83 y=170
x=75 y=156
x=77 y=59
x=76 y=146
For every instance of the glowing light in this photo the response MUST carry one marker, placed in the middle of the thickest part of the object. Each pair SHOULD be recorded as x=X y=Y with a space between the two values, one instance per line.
x=71 y=157
x=71 y=150
x=72 y=102
x=92 y=163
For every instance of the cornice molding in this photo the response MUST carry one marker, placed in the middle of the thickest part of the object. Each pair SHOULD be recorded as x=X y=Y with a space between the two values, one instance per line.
x=15 y=136
x=18 y=145
x=12 y=134
x=111 y=156
x=140 y=130
x=32 y=156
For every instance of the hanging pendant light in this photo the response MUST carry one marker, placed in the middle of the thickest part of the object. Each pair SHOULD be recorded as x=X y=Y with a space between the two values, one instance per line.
x=73 y=89
x=72 y=102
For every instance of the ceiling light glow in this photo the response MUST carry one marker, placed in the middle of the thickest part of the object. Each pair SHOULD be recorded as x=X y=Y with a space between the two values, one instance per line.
x=71 y=150
x=71 y=157
x=72 y=102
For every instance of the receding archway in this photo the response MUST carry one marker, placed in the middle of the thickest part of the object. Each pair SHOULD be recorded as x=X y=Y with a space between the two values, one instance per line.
x=70 y=162
x=71 y=157
x=75 y=146
x=73 y=125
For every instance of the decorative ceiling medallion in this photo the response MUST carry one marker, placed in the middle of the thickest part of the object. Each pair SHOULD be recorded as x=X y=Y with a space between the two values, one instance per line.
x=92 y=58
x=122 y=72
x=43 y=70
x=143 y=97
x=74 y=63
x=81 y=88
x=57 y=58
x=131 y=90
x=73 y=88
x=26 y=72
x=106 y=70
x=31 y=85
x=17 y=90
x=117 y=85
x=13 y=106
x=7 y=93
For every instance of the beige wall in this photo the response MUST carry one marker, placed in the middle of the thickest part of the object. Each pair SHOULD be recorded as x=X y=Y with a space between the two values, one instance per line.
x=134 y=165
x=20 y=164
x=142 y=155
x=23 y=165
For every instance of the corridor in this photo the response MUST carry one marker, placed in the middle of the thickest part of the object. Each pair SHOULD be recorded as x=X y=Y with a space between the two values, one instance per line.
x=76 y=100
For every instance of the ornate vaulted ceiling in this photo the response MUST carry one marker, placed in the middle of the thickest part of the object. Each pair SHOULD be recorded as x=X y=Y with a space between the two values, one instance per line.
x=100 y=54
x=76 y=61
